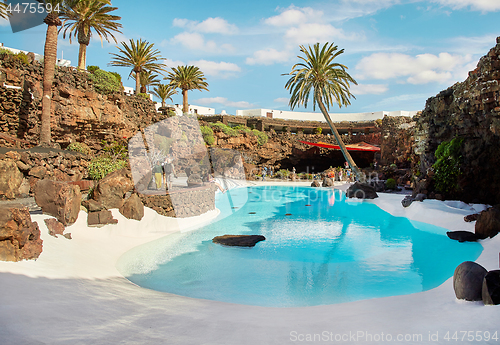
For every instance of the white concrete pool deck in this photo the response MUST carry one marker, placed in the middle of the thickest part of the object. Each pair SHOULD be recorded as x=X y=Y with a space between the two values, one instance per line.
x=73 y=294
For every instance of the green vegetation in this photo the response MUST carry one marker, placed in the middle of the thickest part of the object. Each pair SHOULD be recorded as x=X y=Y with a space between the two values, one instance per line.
x=318 y=130
x=390 y=183
x=232 y=132
x=92 y=69
x=104 y=82
x=243 y=129
x=187 y=78
x=447 y=166
x=283 y=173
x=261 y=137
x=143 y=95
x=79 y=147
x=208 y=135
x=19 y=56
x=101 y=166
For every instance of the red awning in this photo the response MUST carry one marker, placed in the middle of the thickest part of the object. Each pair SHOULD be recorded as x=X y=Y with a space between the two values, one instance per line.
x=361 y=146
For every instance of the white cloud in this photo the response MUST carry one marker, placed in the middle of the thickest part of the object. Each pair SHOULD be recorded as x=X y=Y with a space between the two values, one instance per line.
x=418 y=69
x=210 y=25
x=225 y=102
x=219 y=69
x=294 y=16
x=196 y=41
x=368 y=89
x=399 y=102
x=475 y=5
x=268 y=56
x=173 y=63
x=282 y=100
x=310 y=33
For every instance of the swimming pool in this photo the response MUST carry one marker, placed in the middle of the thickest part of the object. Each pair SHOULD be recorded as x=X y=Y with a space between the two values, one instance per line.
x=320 y=249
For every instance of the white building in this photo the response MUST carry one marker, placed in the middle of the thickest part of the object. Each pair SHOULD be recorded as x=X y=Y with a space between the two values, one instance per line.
x=60 y=62
x=193 y=109
x=309 y=116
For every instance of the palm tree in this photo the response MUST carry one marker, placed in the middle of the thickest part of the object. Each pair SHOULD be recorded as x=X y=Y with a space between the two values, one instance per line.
x=187 y=78
x=147 y=78
x=329 y=82
x=84 y=16
x=164 y=92
x=140 y=55
x=3 y=10
x=49 y=64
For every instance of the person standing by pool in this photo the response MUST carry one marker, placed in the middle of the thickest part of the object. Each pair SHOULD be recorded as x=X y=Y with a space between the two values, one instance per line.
x=264 y=173
x=168 y=171
x=157 y=172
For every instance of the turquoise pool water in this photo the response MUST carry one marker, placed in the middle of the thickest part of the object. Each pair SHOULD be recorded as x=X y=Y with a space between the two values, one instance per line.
x=320 y=249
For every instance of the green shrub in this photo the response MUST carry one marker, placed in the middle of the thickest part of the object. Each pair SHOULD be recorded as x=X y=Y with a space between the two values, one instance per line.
x=79 y=147
x=243 y=129
x=117 y=76
x=283 y=173
x=208 y=135
x=4 y=51
x=261 y=137
x=104 y=82
x=144 y=95
x=390 y=183
x=447 y=166
x=393 y=166
x=101 y=166
x=92 y=69
x=318 y=130
x=115 y=149
x=22 y=57
x=232 y=132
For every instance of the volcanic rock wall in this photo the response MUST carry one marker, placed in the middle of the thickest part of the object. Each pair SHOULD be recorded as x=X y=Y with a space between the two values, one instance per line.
x=79 y=114
x=469 y=110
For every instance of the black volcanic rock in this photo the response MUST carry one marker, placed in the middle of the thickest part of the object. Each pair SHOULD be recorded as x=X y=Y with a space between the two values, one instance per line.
x=463 y=236
x=238 y=240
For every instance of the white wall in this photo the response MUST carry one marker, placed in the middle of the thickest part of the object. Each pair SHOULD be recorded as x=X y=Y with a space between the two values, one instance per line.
x=193 y=109
x=309 y=116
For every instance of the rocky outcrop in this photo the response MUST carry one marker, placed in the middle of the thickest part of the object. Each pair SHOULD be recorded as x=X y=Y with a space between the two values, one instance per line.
x=488 y=222
x=133 y=208
x=10 y=179
x=316 y=184
x=361 y=191
x=110 y=191
x=238 y=240
x=59 y=199
x=100 y=218
x=54 y=226
x=491 y=288
x=463 y=236
x=469 y=110
x=327 y=182
x=79 y=113
x=468 y=281
x=19 y=236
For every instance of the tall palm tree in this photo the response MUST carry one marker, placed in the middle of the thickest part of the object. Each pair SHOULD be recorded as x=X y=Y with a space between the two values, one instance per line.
x=84 y=16
x=329 y=83
x=146 y=79
x=164 y=92
x=140 y=55
x=49 y=64
x=187 y=78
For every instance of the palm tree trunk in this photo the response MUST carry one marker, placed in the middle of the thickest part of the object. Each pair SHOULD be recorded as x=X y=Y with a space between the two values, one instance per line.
x=342 y=146
x=82 y=57
x=49 y=65
x=185 y=105
x=137 y=82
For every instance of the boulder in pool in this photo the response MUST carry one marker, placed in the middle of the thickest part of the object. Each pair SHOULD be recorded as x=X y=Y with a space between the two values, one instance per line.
x=463 y=236
x=361 y=191
x=468 y=281
x=491 y=288
x=238 y=240
x=315 y=183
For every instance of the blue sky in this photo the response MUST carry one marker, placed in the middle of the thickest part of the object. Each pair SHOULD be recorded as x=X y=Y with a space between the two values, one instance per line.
x=399 y=52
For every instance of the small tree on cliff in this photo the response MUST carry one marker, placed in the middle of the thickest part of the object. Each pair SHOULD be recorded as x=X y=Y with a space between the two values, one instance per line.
x=147 y=79
x=164 y=92
x=329 y=83
x=81 y=17
x=141 y=56
x=187 y=78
